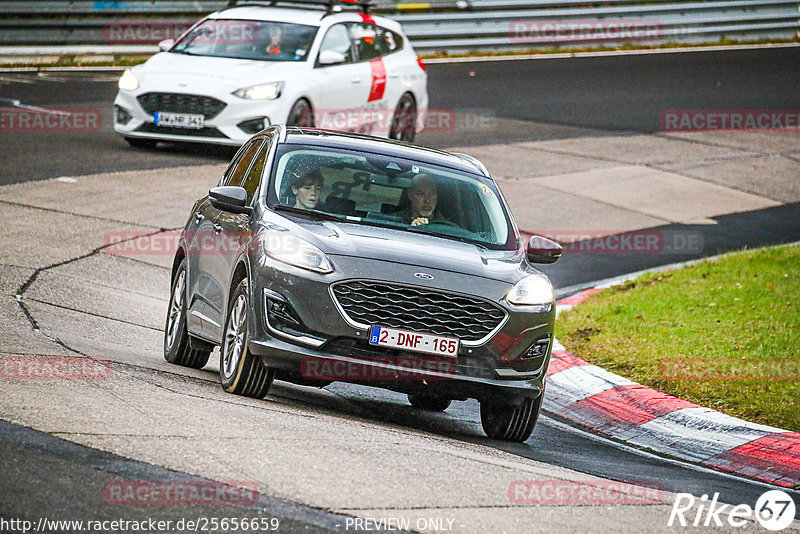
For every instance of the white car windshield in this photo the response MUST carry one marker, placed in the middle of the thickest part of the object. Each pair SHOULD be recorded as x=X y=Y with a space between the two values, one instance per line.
x=382 y=190
x=248 y=39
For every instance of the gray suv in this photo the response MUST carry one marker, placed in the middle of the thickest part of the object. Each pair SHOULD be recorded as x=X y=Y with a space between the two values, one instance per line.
x=326 y=257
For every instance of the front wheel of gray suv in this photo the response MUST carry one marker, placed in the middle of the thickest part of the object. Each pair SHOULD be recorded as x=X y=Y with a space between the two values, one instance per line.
x=177 y=347
x=240 y=371
x=510 y=423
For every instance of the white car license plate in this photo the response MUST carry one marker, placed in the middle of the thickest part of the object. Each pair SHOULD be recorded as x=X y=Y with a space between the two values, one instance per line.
x=179 y=120
x=413 y=341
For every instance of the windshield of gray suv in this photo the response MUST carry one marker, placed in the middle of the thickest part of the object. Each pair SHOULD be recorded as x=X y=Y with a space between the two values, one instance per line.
x=381 y=190
x=248 y=39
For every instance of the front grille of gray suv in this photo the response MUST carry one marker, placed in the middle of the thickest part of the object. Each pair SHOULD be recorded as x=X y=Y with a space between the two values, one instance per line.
x=420 y=309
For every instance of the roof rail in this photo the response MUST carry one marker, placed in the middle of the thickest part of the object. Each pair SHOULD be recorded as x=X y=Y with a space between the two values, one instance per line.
x=331 y=6
x=475 y=162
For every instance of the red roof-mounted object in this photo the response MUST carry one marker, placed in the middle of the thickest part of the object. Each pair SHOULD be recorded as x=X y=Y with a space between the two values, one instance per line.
x=331 y=6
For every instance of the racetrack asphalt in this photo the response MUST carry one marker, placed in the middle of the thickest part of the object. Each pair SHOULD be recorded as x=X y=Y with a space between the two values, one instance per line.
x=127 y=295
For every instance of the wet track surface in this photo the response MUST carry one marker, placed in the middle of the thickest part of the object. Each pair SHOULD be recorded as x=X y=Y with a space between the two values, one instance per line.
x=547 y=99
x=532 y=100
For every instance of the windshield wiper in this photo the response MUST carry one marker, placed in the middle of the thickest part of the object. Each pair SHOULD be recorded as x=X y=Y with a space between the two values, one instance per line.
x=421 y=230
x=317 y=213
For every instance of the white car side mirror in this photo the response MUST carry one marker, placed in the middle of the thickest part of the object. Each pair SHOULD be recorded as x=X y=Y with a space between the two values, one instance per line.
x=331 y=57
x=166 y=44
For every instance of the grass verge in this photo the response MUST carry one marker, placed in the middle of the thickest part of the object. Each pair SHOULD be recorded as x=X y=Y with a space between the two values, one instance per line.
x=723 y=334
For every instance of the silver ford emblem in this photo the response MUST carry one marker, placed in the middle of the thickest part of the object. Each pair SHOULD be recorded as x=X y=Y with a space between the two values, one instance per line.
x=424 y=276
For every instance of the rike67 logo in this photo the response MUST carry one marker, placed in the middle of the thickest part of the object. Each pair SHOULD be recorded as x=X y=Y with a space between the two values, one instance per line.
x=774 y=510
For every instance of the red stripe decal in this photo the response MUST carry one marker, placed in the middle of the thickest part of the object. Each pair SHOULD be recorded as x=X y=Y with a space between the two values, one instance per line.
x=623 y=407
x=367 y=18
x=774 y=458
x=378 y=79
x=574 y=300
x=561 y=359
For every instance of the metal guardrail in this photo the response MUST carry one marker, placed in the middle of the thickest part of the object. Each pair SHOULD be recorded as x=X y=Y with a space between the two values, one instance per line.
x=675 y=22
x=445 y=25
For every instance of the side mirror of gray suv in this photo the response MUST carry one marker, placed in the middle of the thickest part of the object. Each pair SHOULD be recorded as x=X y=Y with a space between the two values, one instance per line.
x=230 y=198
x=543 y=250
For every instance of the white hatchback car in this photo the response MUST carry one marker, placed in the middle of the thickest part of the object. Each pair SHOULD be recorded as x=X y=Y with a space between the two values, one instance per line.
x=243 y=68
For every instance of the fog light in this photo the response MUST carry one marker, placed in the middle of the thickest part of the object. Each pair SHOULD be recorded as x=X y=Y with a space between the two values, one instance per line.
x=282 y=320
x=538 y=349
x=280 y=315
x=253 y=126
x=121 y=115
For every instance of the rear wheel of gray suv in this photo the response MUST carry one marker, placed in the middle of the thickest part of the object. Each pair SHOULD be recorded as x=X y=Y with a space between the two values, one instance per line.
x=511 y=423
x=427 y=402
x=240 y=371
x=177 y=348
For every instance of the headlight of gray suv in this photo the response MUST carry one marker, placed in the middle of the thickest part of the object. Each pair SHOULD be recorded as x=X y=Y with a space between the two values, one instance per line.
x=287 y=248
x=532 y=290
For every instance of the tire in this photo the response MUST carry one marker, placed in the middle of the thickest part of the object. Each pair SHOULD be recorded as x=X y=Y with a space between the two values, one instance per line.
x=135 y=142
x=177 y=348
x=404 y=121
x=241 y=372
x=301 y=114
x=426 y=402
x=510 y=423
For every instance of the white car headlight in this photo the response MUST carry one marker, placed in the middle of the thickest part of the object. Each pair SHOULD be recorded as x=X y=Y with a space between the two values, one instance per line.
x=531 y=291
x=128 y=82
x=264 y=91
x=287 y=248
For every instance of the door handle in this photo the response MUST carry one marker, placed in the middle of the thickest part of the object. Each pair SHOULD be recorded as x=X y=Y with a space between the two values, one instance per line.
x=198 y=216
x=217 y=228
x=355 y=80
x=394 y=76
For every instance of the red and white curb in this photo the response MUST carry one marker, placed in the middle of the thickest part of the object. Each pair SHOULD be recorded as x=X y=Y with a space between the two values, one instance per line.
x=616 y=407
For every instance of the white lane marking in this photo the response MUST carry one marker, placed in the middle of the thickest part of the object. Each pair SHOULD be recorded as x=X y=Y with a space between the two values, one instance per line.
x=695 y=433
x=19 y=70
x=66 y=179
x=607 y=53
x=17 y=79
x=66 y=77
x=18 y=104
